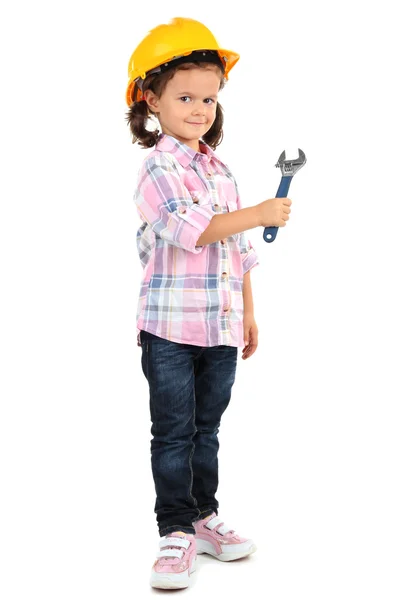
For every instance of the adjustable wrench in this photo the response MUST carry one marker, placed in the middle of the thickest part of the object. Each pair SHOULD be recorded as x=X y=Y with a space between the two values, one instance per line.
x=288 y=168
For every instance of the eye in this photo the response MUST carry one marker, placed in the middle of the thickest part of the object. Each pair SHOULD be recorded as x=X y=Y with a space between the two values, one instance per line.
x=210 y=99
x=183 y=98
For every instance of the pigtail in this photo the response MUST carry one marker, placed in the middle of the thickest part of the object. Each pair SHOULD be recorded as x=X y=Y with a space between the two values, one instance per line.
x=215 y=134
x=137 y=118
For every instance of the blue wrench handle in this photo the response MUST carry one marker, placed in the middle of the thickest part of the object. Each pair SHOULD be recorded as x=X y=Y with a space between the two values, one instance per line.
x=270 y=232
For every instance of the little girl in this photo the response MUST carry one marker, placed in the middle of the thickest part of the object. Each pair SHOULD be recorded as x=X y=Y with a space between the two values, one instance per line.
x=195 y=304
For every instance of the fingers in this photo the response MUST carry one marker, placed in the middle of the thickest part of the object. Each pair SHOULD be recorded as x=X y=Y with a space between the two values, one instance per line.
x=285 y=213
x=284 y=218
x=275 y=212
x=249 y=350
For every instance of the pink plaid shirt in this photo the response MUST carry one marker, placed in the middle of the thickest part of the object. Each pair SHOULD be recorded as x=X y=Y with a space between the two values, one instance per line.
x=189 y=294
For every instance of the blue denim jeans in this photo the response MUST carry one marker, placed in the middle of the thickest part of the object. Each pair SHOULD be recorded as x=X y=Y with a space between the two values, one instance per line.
x=190 y=388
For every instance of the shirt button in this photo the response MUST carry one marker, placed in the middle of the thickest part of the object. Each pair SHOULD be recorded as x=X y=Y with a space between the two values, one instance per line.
x=226 y=309
x=208 y=175
x=217 y=207
x=225 y=275
x=223 y=242
x=196 y=200
x=182 y=209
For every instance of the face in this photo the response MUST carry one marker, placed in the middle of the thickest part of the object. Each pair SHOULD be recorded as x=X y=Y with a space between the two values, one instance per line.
x=187 y=107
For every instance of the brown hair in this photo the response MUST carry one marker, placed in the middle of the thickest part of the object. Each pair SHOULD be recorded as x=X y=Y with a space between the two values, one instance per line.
x=139 y=112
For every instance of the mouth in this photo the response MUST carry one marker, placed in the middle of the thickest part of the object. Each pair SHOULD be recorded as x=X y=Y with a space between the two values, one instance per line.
x=189 y=123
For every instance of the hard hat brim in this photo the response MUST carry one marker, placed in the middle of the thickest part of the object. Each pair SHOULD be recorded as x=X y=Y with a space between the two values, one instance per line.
x=228 y=57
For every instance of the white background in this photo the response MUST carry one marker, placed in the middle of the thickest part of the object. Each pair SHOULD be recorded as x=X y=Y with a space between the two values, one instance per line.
x=309 y=458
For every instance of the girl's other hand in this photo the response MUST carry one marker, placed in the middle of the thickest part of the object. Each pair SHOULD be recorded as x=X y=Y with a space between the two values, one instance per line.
x=250 y=334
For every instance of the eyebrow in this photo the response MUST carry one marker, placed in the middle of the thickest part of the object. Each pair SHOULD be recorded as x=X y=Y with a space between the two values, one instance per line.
x=190 y=94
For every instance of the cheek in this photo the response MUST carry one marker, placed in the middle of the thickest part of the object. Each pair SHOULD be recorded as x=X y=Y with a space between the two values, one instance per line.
x=181 y=108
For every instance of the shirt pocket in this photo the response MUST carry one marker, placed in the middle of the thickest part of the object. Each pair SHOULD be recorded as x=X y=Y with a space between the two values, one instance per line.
x=203 y=197
x=219 y=205
x=227 y=192
x=231 y=204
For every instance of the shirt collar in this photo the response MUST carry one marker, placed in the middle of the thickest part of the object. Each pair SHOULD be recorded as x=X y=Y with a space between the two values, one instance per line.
x=183 y=153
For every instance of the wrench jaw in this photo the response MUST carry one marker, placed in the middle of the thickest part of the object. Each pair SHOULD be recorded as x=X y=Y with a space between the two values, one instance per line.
x=290 y=167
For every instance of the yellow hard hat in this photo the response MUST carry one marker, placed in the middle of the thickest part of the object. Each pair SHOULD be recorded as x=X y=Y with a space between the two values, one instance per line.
x=165 y=42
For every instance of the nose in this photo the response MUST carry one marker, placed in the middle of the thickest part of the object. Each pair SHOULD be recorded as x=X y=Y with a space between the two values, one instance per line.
x=198 y=108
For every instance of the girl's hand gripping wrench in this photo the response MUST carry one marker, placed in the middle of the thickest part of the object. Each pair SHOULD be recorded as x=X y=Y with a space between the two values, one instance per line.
x=288 y=168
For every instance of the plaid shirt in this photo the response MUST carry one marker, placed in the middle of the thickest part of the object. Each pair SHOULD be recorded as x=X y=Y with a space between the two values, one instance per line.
x=189 y=294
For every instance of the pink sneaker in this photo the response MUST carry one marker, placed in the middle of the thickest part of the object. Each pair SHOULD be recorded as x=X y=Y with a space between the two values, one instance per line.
x=213 y=537
x=175 y=562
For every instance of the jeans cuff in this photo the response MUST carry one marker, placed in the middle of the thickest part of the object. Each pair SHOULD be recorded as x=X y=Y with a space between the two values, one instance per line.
x=205 y=513
x=172 y=528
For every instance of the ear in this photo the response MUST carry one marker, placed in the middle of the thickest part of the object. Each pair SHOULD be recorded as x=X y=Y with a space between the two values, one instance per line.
x=152 y=100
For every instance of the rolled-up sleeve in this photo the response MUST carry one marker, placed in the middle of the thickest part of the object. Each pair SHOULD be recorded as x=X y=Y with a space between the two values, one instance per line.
x=247 y=252
x=167 y=206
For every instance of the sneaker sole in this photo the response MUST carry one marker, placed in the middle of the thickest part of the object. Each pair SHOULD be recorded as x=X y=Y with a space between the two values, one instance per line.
x=172 y=581
x=204 y=547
